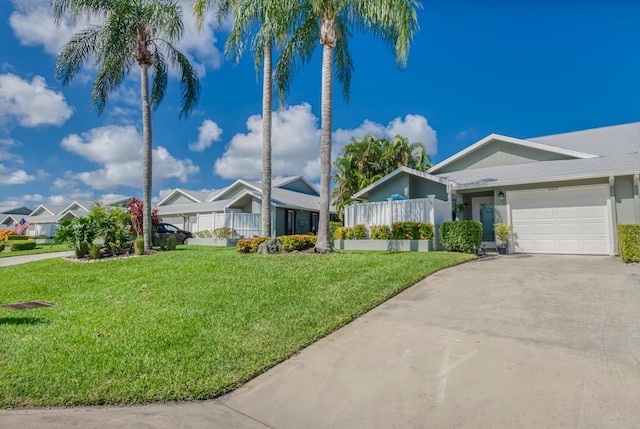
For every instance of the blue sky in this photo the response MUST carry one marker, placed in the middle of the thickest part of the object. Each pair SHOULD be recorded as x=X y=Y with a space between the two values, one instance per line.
x=518 y=68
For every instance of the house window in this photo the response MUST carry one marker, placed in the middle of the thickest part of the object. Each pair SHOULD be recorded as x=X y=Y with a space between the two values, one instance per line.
x=291 y=222
x=314 y=223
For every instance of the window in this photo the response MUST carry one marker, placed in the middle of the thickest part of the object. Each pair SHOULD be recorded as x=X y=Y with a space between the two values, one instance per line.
x=291 y=222
x=314 y=223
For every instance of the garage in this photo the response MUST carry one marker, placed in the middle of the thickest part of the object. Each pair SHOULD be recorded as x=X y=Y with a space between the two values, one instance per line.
x=570 y=220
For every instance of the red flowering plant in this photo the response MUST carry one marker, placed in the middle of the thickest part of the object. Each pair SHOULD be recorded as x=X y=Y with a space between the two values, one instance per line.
x=136 y=208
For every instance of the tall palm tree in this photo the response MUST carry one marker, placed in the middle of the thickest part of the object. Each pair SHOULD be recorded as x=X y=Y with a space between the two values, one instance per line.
x=265 y=22
x=131 y=32
x=331 y=22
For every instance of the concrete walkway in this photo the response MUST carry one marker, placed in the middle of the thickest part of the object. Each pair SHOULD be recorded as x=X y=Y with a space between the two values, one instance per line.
x=502 y=342
x=16 y=260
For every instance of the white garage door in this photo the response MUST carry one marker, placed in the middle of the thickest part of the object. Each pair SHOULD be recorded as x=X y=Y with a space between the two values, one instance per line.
x=573 y=220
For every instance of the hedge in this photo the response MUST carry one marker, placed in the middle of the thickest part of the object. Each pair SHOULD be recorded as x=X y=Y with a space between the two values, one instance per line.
x=16 y=237
x=298 y=242
x=629 y=242
x=461 y=236
x=22 y=245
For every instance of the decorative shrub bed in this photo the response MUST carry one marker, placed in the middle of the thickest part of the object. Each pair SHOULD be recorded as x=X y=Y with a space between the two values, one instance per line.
x=290 y=243
x=18 y=245
x=629 y=242
x=401 y=236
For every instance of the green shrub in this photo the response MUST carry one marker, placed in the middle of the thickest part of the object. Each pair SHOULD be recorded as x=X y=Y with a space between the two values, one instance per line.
x=341 y=233
x=94 y=251
x=461 y=236
x=358 y=232
x=629 y=242
x=425 y=231
x=171 y=242
x=16 y=246
x=380 y=232
x=16 y=237
x=139 y=246
x=2 y=246
x=225 y=233
x=250 y=245
x=333 y=226
x=298 y=242
x=205 y=233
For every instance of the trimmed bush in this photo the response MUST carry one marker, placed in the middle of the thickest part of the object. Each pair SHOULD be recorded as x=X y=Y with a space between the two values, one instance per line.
x=341 y=233
x=250 y=245
x=629 y=242
x=16 y=237
x=297 y=242
x=2 y=246
x=225 y=232
x=16 y=246
x=358 y=232
x=171 y=242
x=380 y=232
x=411 y=231
x=461 y=236
x=139 y=246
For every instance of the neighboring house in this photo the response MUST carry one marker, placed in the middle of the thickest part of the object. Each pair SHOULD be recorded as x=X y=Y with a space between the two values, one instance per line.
x=11 y=216
x=295 y=206
x=563 y=193
x=44 y=220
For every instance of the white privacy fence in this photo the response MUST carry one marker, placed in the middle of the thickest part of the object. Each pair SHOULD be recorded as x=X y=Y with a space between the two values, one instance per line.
x=387 y=212
x=246 y=224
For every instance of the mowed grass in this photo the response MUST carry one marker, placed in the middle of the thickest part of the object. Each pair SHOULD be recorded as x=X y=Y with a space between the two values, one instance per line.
x=40 y=248
x=189 y=324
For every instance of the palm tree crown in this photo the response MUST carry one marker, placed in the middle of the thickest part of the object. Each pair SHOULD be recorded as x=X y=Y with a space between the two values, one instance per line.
x=130 y=32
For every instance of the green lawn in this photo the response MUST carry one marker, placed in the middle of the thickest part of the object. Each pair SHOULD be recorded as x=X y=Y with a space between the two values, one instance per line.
x=40 y=248
x=189 y=324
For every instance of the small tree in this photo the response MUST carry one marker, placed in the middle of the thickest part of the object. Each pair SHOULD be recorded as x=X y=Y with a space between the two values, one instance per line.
x=135 y=207
x=78 y=233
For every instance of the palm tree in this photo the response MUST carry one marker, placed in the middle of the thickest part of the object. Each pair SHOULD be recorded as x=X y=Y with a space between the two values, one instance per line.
x=131 y=32
x=363 y=162
x=266 y=22
x=331 y=21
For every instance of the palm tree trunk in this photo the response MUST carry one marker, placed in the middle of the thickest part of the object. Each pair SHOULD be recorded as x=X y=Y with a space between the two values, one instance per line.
x=146 y=157
x=324 y=243
x=267 y=98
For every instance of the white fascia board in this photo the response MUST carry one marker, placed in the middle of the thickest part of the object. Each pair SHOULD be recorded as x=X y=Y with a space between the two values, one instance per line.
x=43 y=207
x=541 y=180
x=497 y=137
x=178 y=191
x=235 y=184
x=394 y=173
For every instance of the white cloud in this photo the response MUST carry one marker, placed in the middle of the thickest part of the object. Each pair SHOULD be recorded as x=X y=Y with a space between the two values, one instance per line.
x=415 y=127
x=296 y=143
x=33 y=25
x=295 y=146
x=31 y=103
x=119 y=150
x=208 y=133
x=13 y=176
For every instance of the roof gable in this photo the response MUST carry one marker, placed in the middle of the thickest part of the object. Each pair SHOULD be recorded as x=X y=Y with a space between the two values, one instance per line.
x=296 y=184
x=21 y=210
x=496 y=150
x=181 y=196
x=234 y=189
x=399 y=171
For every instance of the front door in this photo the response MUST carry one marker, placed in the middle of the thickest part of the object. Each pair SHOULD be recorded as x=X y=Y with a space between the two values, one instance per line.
x=483 y=211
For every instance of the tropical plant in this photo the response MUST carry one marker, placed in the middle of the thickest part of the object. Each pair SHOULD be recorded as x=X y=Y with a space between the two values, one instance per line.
x=78 y=233
x=363 y=162
x=113 y=225
x=503 y=233
x=138 y=32
x=331 y=22
x=135 y=207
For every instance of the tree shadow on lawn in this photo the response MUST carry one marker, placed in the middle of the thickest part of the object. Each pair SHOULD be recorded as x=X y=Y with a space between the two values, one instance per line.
x=22 y=320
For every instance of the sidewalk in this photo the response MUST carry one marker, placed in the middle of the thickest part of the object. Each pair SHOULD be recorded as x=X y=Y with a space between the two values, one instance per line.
x=16 y=260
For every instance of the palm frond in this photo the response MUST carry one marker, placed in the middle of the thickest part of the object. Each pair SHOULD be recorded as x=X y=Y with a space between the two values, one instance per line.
x=160 y=78
x=189 y=80
x=342 y=60
x=75 y=53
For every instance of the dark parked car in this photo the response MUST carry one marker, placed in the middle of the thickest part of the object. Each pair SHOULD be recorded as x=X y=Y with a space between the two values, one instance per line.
x=164 y=230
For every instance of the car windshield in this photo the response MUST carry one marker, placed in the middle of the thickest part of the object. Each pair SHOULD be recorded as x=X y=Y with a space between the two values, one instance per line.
x=170 y=228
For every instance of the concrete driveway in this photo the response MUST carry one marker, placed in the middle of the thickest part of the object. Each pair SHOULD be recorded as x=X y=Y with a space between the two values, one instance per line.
x=503 y=342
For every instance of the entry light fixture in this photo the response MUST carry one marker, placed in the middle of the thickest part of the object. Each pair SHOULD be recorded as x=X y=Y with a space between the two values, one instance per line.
x=501 y=196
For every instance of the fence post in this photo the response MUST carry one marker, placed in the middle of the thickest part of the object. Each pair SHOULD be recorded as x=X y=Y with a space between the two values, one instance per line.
x=390 y=215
